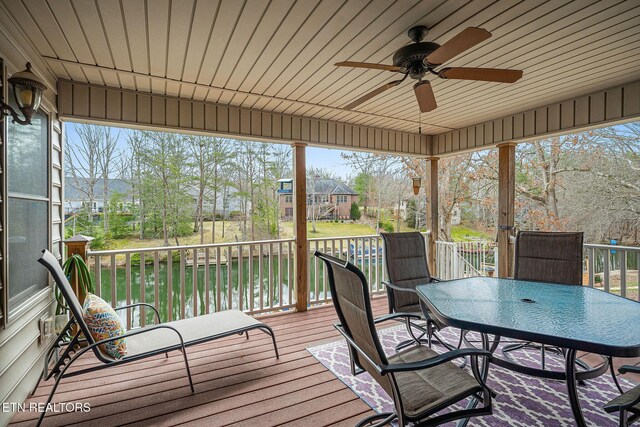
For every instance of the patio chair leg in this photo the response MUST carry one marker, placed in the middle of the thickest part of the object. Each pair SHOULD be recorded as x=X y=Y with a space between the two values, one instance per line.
x=186 y=363
x=414 y=340
x=59 y=378
x=268 y=330
x=247 y=332
x=50 y=398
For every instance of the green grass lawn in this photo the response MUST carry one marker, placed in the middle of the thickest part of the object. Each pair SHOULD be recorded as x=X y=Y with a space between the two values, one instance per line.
x=462 y=233
x=324 y=229
x=332 y=229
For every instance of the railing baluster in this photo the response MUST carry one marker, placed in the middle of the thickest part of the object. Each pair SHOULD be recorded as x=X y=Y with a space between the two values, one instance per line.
x=156 y=280
x=114 y=283
x=289 y=272
x=98 y=274
x=240 y=278
x=218 y=281
x=183 y=297
x=324 y=273
x=143 y=319
x=127 y=284
x=270 y=275
x=207 y=281
x=194 y=282
x=605 y=279
x=591 y=266
x=378 y=262
x=170 y=285
x=280 y=274
x=229 y=278
x=369 y=261
x=623 y=273
x=261 y=276
x=316 y=276
x=251 y=283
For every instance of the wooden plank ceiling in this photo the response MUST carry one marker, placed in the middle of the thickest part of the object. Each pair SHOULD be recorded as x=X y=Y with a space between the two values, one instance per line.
x=278 y=55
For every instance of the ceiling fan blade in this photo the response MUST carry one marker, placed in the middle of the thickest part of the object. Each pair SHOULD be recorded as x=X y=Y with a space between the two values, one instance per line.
x=371 y=94
x=462 y=41
x=367 y=65
x=424 y=95
x=485 y=74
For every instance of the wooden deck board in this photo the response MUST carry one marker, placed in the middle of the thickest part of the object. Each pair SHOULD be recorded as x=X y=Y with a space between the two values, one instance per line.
x=237 y=381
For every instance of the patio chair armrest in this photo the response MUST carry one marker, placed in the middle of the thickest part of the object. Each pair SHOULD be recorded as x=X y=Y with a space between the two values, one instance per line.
x=138 y=332
x=137 y=304
x=397 y=288
x=629 y=368
x=624 y=401
x=395 y=316
x=434 y=361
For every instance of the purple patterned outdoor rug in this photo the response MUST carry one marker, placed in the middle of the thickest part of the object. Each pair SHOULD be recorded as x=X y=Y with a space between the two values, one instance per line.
x=521 y=401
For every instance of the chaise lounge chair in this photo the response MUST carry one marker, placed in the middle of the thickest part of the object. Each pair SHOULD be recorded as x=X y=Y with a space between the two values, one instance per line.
x=141 y=343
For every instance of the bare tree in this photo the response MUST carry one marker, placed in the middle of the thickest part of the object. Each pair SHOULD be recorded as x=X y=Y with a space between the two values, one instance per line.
x=83 y=163
x=108 y=162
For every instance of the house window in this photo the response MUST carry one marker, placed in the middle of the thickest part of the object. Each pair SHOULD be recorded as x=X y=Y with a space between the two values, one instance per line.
x=288 y=199
x=341 y=199
x=288 y=212
x=287 y=186
x=28 y=204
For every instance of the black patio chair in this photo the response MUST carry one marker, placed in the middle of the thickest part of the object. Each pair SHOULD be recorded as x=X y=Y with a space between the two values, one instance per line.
x=405 y=257
x=142 y=342
x=420 y=381
x=627 y=405
x=551 y=257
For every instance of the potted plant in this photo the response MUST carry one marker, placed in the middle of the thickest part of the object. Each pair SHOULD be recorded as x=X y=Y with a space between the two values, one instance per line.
x=73 y=266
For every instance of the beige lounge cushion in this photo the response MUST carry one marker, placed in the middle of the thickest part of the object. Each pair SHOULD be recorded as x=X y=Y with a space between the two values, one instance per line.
x=424 y=389
x=193 y=330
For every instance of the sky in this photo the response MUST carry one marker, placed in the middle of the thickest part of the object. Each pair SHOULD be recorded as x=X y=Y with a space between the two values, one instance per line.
x=323 y=158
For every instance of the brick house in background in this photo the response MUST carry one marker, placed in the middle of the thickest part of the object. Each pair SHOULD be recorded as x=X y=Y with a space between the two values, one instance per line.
x=330 y=198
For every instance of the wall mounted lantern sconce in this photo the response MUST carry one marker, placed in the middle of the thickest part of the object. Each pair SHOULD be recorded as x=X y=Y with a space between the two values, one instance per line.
x=27 y=92
x=417 y=182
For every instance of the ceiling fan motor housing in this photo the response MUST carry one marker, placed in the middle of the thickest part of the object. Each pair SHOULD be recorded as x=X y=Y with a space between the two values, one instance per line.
x=411 y=58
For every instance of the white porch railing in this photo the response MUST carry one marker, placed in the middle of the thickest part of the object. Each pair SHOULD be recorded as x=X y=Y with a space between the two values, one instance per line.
x=455 y=260
x=258 y=277
x=366 y=252
x=612 y=268
x=186 y=281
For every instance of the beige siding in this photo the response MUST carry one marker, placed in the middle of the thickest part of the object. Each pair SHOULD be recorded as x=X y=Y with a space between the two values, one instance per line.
x=21 y=350
x=598 y=109
x=130 y=108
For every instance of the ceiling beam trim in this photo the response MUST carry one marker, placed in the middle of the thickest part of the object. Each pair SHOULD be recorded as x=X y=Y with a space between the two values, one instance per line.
x=598 y=109
x=122 y=107
x=193 y=86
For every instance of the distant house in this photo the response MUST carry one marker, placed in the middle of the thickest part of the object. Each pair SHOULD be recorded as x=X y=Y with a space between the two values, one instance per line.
x=327 y=198
x=75 y=193
x=75 y=199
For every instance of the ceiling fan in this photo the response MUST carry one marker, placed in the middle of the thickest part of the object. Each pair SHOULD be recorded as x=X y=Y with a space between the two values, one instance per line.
x=417 y=59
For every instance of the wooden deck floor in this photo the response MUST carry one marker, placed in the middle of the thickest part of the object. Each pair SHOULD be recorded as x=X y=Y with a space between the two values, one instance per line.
x=237 y=381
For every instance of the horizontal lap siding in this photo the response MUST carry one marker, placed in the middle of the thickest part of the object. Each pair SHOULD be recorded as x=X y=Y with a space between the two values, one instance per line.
x=599 y=109
x=21 y=350
x=80 y=101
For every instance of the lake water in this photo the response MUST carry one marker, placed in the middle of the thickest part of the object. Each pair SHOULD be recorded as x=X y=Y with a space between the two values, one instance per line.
x=217 y=300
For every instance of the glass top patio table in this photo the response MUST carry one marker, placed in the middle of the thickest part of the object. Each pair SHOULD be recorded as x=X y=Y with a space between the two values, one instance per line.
x=575 y=317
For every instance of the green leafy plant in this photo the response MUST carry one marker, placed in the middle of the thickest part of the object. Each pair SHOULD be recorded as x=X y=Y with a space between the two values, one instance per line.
x=74 y=264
